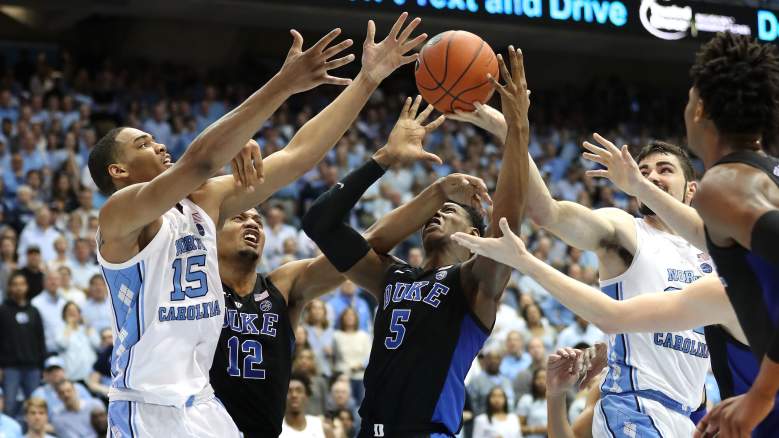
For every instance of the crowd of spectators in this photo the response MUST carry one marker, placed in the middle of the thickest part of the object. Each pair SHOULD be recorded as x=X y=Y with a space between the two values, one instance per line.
x=55 y=323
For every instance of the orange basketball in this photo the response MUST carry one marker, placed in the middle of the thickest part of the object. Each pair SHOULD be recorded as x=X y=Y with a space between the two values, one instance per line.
x=451 y=72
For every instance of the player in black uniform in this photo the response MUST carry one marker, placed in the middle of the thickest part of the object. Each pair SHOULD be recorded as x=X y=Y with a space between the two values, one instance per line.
x=431 y=321
x=731 y=116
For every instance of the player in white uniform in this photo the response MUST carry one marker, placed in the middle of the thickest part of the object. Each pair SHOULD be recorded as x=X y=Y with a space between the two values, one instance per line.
x=655 y=379
x=157 y=244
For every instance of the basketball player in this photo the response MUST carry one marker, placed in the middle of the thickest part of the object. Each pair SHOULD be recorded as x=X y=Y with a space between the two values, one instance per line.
x=431 y=321
x=656 y=385
x=731 y=117
x=157 y=248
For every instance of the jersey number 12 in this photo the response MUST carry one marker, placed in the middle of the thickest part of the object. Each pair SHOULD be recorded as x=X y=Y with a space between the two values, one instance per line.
x=254 y=358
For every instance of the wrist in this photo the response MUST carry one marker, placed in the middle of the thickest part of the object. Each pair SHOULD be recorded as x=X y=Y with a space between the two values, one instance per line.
x=383 y=158
x=365 y=78
x=279 y=86
x=642 y=189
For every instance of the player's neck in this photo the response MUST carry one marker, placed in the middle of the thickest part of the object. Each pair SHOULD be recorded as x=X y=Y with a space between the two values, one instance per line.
x=655 y=222
x=724 y=147
x=443 y=256
x=240 y=277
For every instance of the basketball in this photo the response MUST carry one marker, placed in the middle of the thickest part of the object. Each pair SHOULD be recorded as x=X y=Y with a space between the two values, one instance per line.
x=451 y=72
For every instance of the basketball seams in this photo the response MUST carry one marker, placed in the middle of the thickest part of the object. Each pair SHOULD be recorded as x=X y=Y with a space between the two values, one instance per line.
x=465 y=70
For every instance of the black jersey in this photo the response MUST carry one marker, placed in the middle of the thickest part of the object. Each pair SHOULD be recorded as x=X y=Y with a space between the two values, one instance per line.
x=751 y=282
x=253 y=360
x=425 y=339
x=736 y=368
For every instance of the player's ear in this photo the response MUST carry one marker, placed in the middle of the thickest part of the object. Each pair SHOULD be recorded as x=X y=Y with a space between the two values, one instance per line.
x=118 y=171
x=474 y=232
x=692 y=187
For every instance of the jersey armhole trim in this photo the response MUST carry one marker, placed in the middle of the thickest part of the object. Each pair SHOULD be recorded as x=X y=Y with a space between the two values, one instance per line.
x=141 y=255
x=637 y=223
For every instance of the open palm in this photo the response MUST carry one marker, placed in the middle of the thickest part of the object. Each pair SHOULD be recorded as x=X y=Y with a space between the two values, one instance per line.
x=380 y=59
x=405 y=141
x=506 y=249
x=621 y=169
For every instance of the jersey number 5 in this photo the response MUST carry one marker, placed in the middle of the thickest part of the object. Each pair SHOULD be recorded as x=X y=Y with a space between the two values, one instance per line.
x=191 y=276
x=255 y=358
x=399 y=316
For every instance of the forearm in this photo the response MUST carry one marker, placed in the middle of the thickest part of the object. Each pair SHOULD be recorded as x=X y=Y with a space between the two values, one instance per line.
x=223 y=139
x=405 y=220
x=510 y=192
x=683 y=219
x=557 y=415
x=325 y=220
x=541 y=206
x=767 y=381
x=588 y=302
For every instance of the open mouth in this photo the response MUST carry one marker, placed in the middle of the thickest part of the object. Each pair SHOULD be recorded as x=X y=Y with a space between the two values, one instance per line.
x=251 y=237
x=167 y=160
x=434 y=222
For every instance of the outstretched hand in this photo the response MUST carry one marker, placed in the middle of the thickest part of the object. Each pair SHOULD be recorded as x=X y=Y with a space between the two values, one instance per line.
x=621 y=169
x=380 y=59
x=465 y=189
x=514 y=96
x=306 y=69
x=404 y=145
x=485 y=117
x=507 y=249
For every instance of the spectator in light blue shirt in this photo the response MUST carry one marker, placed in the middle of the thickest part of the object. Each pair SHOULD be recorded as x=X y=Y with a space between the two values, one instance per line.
x=9 y=428
x=73 y=420
x=516 y=359
x=347 y=296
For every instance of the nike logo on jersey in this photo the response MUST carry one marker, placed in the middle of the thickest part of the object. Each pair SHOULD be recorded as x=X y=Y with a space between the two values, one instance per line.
x=339 y=185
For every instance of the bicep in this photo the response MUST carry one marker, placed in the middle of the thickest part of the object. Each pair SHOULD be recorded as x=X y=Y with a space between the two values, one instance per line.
x=120 y=216
x=584 y=228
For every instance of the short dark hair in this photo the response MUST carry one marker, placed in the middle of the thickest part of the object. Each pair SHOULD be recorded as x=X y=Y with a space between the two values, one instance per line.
x=477 y=220
x=661 y=147
x=302 y=378
x=738 y=80
x=103 y=155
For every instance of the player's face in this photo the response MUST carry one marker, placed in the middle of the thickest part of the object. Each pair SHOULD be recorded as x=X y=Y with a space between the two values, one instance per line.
x=242 y=234
x=296 y=396
x=141 y=159
x=450 y=219
x=665 y=171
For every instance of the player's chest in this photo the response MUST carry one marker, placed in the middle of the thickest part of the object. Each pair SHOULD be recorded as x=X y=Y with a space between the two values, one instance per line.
x=257 y=315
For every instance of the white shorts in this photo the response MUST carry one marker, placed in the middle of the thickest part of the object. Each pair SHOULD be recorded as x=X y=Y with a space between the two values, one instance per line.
x=205 y=418
x=628 y=416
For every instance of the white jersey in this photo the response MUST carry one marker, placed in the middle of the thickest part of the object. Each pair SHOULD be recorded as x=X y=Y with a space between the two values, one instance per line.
x=167 y=306
x=314 y=429
x=668 y=367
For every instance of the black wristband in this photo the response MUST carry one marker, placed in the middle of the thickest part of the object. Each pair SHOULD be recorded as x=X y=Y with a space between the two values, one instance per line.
x=765 y=235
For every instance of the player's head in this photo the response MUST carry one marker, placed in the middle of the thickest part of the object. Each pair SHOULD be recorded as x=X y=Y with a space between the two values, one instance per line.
x=298 y=394
x=453 y=217
x=241 y=238
x=668 y=167
x=126 y=156
x=734 y=94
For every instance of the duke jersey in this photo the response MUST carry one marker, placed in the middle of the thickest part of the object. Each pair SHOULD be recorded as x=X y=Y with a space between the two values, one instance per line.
x=253 y=361
x=425 y=339
x=669 y=368
x=167 y=311
x=752 y=283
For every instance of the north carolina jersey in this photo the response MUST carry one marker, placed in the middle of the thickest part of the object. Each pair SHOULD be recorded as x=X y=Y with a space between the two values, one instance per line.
x=167 y=306
x=425 y=339
x=667 y=367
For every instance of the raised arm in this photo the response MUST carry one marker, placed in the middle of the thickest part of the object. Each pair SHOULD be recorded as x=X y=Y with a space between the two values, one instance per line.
x=482 y=276
x=315 y=138
x=325 y=221
x=575 y=224
x=623 y=171
x=668 y=311
x=120 y=218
